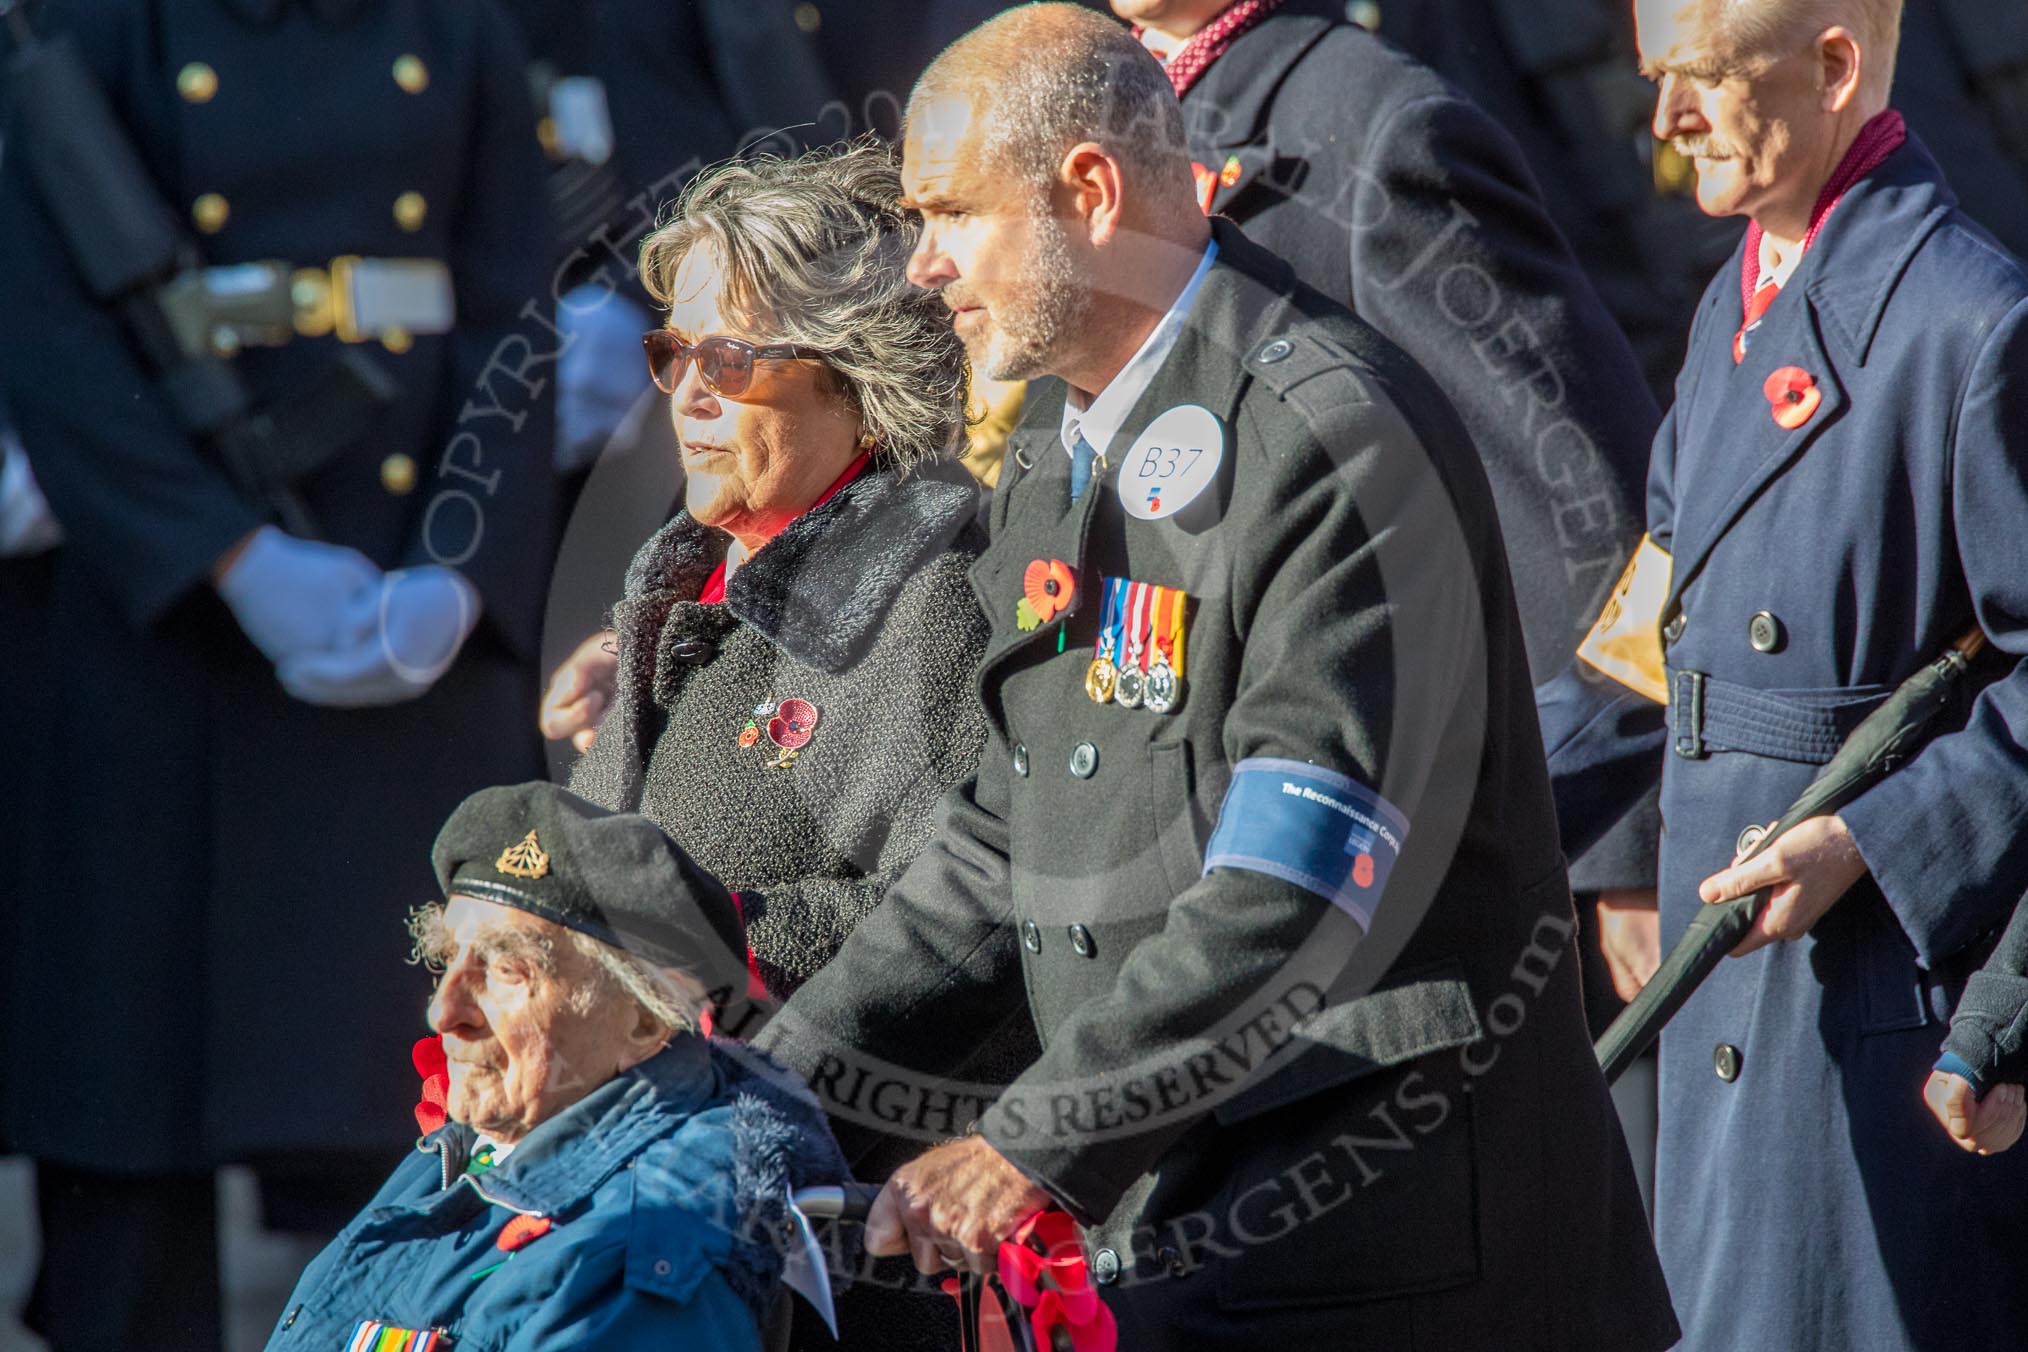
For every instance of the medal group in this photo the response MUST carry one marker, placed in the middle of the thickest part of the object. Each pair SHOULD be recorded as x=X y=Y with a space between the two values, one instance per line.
x=1137 y=660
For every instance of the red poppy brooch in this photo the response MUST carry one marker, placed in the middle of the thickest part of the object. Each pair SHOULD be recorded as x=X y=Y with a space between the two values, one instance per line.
x=1048 y=588
x=1794 y=396
x=788 y=724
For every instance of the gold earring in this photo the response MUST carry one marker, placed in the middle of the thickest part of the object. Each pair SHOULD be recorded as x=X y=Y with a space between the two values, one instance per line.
x=865 y=442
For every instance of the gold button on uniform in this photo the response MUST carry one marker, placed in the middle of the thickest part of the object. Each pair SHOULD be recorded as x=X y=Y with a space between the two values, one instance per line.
x=396 y=339
x=409 y=211
x=397 y=474
x=410 y=73
x=809 y=18
x=208 y=213
x=197 y=82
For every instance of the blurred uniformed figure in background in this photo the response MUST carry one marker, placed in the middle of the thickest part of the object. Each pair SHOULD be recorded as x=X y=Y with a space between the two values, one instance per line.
x=285 y=644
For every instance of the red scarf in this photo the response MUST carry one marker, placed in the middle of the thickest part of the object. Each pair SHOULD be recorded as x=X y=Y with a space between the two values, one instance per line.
x=714 y=586
x=1194 y=57
x=1880 y=137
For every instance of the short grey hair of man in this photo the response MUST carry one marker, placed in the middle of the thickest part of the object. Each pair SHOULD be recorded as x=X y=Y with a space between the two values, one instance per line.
x=814 y=250
x=1043 y=78
x=1776 y=28
x=671 y=997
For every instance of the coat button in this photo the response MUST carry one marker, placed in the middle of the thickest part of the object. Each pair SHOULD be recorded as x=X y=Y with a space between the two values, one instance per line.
x=410 y=209
x=693 y=651
x=1031 y=936
x=1080 y=941
x=1673 y=630
x=1021 y=760
x=411 y=74
x=1725 y=1060
x=1764 y=632
x=1365 y=13
x=208 y=213
x=1171 y=1261
x=397 y=474
x=197 y=83
x=1105 y=1266
x=1084 y=760
x=1749 y=838
x=396 y=339
x=290 y=1322
x=808 y=18
x=1276 y=351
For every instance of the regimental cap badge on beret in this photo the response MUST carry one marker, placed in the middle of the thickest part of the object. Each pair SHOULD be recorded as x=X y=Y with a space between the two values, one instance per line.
x=524 y=859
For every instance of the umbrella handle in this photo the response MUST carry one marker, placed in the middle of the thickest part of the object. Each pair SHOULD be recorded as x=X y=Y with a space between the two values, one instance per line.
x=837 y=1202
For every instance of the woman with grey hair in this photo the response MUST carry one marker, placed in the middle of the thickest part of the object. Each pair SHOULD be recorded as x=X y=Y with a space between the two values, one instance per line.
x=794 y=651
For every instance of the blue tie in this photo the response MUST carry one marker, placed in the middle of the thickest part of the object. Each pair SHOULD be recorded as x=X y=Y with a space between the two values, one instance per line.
x=1081 y=458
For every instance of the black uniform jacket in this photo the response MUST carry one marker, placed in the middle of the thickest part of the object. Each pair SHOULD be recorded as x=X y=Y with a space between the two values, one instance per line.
x=1265 y=1144
x=235 y=863
x=1391 y=193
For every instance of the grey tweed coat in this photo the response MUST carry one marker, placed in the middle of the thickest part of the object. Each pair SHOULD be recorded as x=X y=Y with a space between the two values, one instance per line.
x=862 y=608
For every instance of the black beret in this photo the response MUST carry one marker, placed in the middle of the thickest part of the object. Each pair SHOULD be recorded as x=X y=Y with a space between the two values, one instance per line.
x=614 y=876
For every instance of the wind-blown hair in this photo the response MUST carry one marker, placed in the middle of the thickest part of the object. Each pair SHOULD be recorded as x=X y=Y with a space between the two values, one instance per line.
x=813 y=250
x=672 y=998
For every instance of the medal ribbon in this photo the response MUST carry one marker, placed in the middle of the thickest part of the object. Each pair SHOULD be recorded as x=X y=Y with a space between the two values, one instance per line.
x=1168 y=635
x=1107 y=645
x=1135 y=651
x=1165 y=612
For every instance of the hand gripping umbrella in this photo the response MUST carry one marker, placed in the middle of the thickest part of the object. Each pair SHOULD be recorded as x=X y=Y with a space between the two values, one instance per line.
x=1887 y=738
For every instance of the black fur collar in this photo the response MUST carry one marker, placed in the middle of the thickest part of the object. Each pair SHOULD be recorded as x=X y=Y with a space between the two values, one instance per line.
x=821 y=589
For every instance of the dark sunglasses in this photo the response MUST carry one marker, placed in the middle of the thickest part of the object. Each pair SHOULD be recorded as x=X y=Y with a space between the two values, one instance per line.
x=726 y=364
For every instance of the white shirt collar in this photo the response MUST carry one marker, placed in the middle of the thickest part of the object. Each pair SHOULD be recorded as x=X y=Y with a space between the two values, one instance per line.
x=1100 y=421
x=1777 y=270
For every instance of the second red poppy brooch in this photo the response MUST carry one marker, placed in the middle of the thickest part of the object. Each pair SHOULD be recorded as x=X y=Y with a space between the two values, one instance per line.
x=787 y=724
x=1794 y=395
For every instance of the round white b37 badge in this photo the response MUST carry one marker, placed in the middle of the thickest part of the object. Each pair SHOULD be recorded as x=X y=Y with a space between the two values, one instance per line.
x=1174 y=460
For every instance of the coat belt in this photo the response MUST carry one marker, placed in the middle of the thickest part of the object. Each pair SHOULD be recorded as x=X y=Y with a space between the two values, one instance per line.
x=1707 y=714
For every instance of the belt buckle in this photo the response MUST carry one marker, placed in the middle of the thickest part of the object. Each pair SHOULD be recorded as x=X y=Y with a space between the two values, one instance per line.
x=360 y=299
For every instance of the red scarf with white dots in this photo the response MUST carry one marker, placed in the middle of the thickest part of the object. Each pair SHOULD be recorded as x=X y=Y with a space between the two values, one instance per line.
x=1194 y=57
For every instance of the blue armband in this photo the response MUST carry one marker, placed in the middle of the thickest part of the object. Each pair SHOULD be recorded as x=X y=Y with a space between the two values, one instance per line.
x=1310 y=826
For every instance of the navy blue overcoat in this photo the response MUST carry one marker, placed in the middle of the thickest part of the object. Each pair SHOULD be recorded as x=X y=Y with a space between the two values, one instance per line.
x=1805 y=1197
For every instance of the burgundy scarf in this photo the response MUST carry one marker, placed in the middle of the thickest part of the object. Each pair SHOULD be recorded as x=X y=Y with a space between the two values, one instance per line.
x=1880 y=137
x=1194 y=57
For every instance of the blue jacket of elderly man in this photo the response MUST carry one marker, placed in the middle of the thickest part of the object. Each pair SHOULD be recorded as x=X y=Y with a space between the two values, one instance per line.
x=1839 y=495
x=645 y=1215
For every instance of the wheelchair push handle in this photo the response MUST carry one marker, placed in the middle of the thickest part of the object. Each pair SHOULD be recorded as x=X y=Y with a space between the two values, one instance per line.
x=837 y=1202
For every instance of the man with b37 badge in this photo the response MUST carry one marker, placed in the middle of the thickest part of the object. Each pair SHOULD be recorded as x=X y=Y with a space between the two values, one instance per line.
x=1314 y=1067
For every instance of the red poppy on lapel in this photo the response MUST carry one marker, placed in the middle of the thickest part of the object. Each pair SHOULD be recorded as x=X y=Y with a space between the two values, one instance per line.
x=522 y=1230
x=1794 y=394
x=1049 y=588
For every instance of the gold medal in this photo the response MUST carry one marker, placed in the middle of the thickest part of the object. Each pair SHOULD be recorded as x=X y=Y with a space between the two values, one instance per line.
x=1099 y=679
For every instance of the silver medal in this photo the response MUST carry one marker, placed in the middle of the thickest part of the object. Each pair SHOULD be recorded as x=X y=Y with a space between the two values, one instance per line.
x=1163 y=687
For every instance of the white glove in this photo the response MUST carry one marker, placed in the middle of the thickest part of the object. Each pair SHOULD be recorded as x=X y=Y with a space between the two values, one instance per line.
x=409 y=631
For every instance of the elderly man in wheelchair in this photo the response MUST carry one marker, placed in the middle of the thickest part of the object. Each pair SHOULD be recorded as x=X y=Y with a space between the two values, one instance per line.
x=606 y=1177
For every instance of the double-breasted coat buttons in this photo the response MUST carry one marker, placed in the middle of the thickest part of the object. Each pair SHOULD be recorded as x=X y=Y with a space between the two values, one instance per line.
x=1725 y=1060
x=1105 y=1267
x=1084 y=760
x=397 y=474
x=1080 y=941
x=411 y=74
x=1764 y=632
x=1020 y=760
x=1031 y=936
x=209 y=212
x=410 y=210
x=1673 y=630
